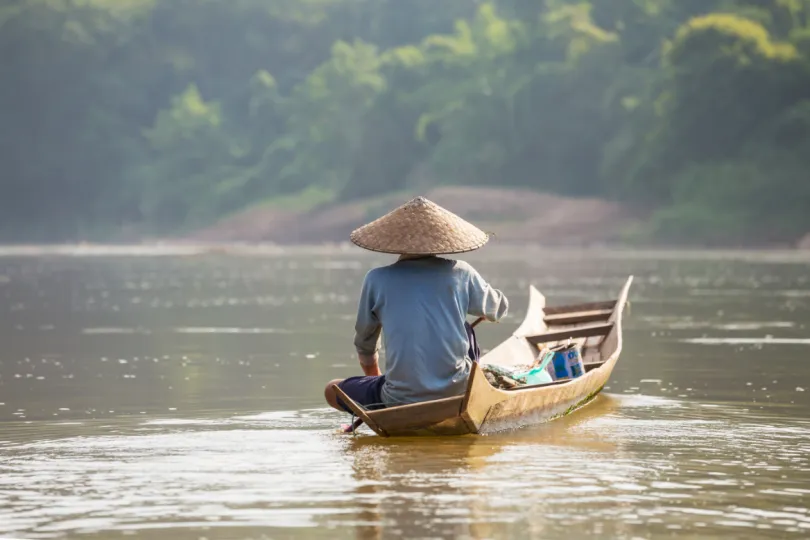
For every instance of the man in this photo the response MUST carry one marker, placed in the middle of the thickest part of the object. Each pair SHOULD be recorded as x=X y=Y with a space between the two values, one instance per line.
x=421 y=302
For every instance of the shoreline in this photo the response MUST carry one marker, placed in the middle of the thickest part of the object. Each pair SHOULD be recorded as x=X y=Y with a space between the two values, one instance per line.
x=514 y=217
x=493 y=250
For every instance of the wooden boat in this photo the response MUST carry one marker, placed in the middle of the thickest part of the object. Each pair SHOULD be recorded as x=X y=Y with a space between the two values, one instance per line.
x=596 y=326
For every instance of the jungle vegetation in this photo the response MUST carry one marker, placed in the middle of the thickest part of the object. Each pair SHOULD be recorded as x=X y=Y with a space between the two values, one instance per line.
x=164 y=115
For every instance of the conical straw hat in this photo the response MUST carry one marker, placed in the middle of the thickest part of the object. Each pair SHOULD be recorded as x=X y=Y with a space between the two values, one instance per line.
x=420 y=227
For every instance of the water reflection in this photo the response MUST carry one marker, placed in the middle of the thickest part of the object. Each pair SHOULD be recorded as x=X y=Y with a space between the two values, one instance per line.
x=408 y=487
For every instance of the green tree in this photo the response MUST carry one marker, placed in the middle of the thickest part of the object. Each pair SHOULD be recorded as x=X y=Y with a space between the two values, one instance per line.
x=326 y=113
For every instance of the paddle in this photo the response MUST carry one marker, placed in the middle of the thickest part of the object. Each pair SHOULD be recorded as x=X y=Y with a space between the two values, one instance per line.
x=346 y=428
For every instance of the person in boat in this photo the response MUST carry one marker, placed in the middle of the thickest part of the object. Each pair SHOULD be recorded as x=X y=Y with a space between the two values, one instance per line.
x=420 y=304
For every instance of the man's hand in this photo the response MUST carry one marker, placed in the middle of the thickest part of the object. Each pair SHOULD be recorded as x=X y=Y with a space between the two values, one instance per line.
x=370 y=364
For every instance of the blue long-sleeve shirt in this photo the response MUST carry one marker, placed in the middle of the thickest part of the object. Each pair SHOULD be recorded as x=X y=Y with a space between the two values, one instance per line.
x=422 y=305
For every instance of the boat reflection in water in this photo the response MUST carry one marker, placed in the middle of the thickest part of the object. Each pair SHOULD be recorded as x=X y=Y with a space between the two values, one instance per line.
x=467 y=486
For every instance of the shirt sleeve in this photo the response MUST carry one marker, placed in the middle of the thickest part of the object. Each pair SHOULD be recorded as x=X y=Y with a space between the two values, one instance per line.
x=485 y=301
x=368 y=327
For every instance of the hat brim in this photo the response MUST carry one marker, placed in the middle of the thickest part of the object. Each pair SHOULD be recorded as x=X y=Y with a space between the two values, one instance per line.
x=430 y=252
x=420 y=227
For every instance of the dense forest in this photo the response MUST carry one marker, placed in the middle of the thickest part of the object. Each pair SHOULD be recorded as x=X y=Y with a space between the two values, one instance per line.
x=160 y=116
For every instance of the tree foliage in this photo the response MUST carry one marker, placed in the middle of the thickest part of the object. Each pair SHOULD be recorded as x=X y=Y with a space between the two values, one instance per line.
x=164 y=115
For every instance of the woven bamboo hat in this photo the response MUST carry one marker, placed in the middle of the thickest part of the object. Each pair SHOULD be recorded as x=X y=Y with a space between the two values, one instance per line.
x=420 y=227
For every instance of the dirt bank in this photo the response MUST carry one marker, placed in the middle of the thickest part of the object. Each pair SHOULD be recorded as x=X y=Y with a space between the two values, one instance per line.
x=513 y=215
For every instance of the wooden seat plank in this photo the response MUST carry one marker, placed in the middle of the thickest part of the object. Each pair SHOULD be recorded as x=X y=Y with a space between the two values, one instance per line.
x=573 y=308
x=577 y=317
x=572 y=333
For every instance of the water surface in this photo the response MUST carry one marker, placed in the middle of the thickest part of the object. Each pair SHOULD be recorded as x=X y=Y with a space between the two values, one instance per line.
x=168 y=394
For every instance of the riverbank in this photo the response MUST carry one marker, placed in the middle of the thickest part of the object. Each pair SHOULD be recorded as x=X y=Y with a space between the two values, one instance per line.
x=512 y=215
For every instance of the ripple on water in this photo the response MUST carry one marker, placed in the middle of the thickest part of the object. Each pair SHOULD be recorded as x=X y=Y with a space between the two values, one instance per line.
x=627 y=463
x=186 y=330
x=230 y=330
x=766 y=340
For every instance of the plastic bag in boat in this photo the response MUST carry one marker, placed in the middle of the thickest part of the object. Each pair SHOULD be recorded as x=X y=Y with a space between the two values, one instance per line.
x=504 y=377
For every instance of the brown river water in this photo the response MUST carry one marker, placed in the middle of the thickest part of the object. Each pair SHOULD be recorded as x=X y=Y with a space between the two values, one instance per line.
x=164 y=393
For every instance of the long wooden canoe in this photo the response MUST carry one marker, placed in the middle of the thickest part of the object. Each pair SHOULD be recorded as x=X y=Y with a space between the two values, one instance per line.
x=597 y=326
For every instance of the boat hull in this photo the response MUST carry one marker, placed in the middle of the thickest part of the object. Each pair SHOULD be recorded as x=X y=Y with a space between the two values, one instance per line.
x=484 y=409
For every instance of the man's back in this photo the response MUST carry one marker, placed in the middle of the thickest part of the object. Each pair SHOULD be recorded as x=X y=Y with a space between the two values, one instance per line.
x=421 y=305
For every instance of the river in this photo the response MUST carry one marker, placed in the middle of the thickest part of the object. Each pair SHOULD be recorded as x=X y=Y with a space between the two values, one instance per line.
x=163 y=393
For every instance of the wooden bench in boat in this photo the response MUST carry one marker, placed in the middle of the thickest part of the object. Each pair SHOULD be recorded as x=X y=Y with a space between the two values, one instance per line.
x=577 y=317
x=571 y=333
x=576 y=308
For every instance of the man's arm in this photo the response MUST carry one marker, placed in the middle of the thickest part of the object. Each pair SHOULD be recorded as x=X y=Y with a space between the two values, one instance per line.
x=370 y=364
x=367 y=331
x=486 y=301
